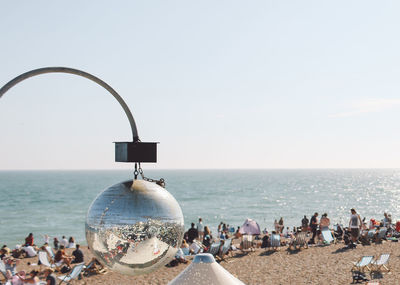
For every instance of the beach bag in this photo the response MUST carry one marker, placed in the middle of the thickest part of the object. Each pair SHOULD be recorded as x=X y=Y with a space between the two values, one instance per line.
x=65 y=269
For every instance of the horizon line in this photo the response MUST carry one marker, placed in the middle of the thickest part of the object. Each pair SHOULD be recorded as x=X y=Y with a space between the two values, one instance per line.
x=183 y=169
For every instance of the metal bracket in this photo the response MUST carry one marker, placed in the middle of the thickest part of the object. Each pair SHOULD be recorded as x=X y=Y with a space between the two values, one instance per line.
x=135 y=151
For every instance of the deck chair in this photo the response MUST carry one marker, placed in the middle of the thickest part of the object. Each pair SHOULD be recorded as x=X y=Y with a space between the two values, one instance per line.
x=359 y=268
x=225 y=249
x=382 y=233
x=327 y=237
x=92 y=268
x=363 y=264
x=275 y=241
x=299 y=241
x=44 y=259
x=3 y=269
x=247 y=243
x=73 y=274
x=214 y=248
x=50 y=252
x=196 y=247
x=371 y=234
x=382 y=263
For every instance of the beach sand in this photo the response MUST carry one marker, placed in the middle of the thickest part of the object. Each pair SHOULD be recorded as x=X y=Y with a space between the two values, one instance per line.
x=315 y=265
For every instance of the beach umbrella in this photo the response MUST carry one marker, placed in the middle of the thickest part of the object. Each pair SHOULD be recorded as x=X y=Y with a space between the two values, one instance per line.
x=250 y=227
x=204 y=270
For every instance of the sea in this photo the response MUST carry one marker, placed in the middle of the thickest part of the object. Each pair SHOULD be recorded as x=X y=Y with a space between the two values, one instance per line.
x=56 y=202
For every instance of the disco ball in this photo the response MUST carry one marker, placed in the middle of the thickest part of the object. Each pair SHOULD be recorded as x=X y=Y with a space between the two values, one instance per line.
x=134 y=227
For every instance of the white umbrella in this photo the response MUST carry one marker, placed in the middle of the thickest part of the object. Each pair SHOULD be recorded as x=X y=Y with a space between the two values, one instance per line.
x=204 y=270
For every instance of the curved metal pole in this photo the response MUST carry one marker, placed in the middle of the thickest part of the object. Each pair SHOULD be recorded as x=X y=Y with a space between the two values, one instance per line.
x=39 y=71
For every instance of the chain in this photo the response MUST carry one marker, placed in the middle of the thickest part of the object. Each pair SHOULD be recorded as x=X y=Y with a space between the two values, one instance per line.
x=135 y=173
x=160 y=182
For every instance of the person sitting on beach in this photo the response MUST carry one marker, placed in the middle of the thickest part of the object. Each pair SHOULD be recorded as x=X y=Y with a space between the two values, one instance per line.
x=324 y=222
x=192 y=233
x=94 y=267
x=185 y=248
x=50 y=277
x=62 y=257
x=265 y=241
x=77 y=254
x=386 y=221
x=3 y=253
x=237 y=233
x=30 y=251
x=10 y=264
x=304 y=224
x=207 y=237
x=33 y=279
x=29 y=240
x=71 y=243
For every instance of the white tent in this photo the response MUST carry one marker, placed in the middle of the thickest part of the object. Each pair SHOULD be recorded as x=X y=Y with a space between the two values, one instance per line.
x=204 y=270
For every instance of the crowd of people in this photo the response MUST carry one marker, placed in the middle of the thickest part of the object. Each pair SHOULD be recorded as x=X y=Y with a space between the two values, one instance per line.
x=358 y=231
x=62 y=261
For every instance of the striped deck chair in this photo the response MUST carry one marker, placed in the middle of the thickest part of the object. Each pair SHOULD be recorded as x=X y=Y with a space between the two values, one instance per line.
x=299 y=241
x=247 y=243
x=382 y=263
x=327 y=237
x=214 y=248
x=363 y=264
x=275 y=241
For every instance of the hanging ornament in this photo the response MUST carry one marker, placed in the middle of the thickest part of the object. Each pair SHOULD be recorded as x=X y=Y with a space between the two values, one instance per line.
x=135 y=226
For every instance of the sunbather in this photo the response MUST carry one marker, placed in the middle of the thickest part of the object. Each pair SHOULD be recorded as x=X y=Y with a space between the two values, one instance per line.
x=62 y=257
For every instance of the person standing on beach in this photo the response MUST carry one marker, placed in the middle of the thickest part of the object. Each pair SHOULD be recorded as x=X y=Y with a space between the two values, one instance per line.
x=192 y=233
x=314 y=227
x=324 y=223
x=304 y=224
x=355 y=225
x=281 y=226
x=200 y=229
x=64 y=242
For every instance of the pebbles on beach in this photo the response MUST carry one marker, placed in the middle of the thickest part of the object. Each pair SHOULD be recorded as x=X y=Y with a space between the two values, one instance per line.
x=315 y=265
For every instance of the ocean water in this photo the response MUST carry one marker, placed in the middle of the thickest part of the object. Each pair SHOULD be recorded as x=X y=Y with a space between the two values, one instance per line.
x=56 y=202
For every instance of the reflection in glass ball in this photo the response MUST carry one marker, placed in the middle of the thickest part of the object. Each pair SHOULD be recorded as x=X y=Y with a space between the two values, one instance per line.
x=134 y=227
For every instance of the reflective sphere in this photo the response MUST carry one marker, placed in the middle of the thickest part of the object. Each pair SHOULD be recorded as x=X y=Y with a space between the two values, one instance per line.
x=134 y=227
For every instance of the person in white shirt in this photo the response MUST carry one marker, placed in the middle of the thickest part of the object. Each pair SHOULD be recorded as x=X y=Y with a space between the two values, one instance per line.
x=355 y=225
x=64 y=242
x=200 y=229
x=30 y=251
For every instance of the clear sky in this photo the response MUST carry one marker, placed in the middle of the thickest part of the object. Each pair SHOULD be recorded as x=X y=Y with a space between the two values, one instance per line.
x=220 y=84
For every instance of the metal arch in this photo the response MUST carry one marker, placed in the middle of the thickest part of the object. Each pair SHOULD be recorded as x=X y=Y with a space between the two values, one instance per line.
x=43 y=70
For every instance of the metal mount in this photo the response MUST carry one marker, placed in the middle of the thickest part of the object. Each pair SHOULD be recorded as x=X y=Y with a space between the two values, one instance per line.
x=135 y=151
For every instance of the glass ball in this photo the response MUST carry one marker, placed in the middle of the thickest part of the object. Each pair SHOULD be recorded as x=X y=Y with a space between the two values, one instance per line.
x=134 y=227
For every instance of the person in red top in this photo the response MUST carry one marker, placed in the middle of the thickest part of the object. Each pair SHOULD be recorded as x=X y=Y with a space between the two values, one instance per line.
x=29 y=239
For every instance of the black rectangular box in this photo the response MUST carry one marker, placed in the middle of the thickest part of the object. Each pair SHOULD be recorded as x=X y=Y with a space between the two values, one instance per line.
x=136 y=152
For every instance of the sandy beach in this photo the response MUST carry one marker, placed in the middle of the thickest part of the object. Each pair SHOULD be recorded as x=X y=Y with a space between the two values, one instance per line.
x=315 y=265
